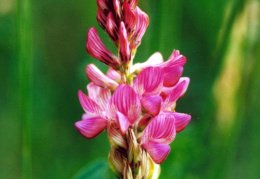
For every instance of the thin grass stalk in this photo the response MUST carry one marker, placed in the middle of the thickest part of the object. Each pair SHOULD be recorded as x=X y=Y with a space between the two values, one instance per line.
x=24 y=45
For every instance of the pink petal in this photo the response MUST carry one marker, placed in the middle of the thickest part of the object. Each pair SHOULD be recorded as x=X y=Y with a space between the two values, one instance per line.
x=178 y=90
x=97 y=49
x=100 y=96
x=144 y=121
x=126 y=101
x=129 y=17
x=161 y=129
x=142 y=22
x=181 y=121
x=88 y=104
x=124 y=48
x=111 y=27
x=117 y=7
x=172 y=75
x=157 y=151
x=113 y=74
x=123 y=122
x=133 y=3
x=173 y=68
x=101 y=18
x=91 y=127
x=153 y=60
x=99 y=78
x=152 y=104
x=149 y=81
x=102 y=4
x=176 y=59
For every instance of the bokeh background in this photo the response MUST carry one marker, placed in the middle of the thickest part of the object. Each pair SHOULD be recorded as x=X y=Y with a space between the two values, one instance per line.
x=42 y=65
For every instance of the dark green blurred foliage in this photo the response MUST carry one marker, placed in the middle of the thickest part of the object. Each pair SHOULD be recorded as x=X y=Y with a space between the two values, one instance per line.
x=42 y=64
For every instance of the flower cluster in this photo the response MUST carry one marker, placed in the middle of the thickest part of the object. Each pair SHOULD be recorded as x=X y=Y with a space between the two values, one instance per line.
x=134 y=102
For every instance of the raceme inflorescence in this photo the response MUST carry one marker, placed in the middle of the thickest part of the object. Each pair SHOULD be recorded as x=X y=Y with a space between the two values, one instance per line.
x=134 y=103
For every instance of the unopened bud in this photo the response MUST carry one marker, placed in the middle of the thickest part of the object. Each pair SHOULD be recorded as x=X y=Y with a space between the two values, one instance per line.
x=98 y=50
x=124 y=47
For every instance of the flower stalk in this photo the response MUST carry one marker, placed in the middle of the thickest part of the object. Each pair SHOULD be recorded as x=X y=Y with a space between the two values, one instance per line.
x=135 y=103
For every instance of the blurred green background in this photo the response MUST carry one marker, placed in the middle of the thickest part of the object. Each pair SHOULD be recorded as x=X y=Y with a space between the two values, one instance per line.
x=42 y=65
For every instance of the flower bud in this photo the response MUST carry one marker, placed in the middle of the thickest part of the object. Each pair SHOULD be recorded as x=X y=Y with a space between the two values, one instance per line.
x=101 y=18
x=133 y=3
x=142 y=22
x=124 y=48
x=129 y=17
x=111 y=27
x=97 y=49
x=117 y=7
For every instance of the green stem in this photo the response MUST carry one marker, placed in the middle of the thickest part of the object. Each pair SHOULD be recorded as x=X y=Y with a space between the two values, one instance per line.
x=24 y=32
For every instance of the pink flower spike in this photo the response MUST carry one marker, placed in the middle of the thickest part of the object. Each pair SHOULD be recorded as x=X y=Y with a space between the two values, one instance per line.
x=124 y=48
x=181 y=121
x=161 y=129
x=178 y=90
x=88 y=104
x=97 y=49
x=91 y=127
x=149 y=81
x=152 y=104
x=127 y=102
x=123 y=122
x=99 y=78
x=157 y=151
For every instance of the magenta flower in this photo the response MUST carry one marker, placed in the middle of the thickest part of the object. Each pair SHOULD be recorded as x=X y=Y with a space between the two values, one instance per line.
x=95 y=119
x=135 y=103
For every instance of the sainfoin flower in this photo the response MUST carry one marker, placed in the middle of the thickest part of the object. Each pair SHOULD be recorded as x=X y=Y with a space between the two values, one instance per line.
x=134 y=103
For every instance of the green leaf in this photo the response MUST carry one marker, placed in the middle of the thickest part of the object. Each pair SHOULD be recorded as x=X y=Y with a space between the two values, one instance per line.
x=97 y=170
